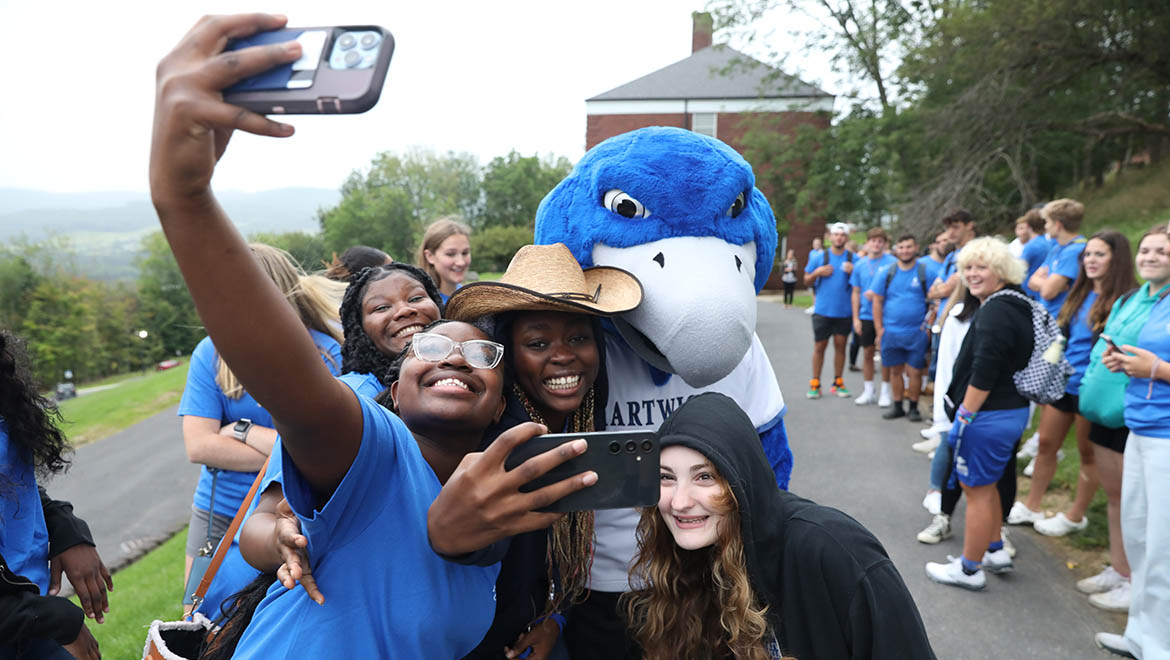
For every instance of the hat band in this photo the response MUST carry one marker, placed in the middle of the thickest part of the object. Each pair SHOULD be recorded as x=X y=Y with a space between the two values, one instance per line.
x=572 y=295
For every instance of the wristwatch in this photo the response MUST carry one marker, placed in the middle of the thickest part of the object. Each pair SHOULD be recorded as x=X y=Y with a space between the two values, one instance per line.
x=240 y=430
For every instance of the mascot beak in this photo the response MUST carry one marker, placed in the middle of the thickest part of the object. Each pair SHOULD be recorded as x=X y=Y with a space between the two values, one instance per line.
x=699 y=321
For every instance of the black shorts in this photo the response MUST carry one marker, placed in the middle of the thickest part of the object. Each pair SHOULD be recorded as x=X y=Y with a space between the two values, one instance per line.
x=1067 y=403
x=825 y=326
x=1103 y=436
x=868 y=334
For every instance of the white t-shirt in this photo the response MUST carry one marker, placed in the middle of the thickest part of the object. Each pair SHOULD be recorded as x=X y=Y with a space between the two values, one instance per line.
x=949 y=342
x=635 y=402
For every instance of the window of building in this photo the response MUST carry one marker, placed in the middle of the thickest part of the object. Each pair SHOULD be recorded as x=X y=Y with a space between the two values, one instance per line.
x=703 y=122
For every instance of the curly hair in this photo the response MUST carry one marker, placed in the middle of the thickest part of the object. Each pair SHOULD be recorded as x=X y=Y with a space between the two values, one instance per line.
x=994 y=253
x=696 y=604
x=1117 y=279
x=32 y=419
x=358 y=352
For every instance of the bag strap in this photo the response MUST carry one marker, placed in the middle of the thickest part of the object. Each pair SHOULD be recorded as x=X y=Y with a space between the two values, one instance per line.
x=211 y=509
x=221 y=551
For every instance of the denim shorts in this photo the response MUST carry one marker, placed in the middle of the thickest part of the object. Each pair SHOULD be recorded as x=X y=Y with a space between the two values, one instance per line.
x=907 y=348
x=983 y=449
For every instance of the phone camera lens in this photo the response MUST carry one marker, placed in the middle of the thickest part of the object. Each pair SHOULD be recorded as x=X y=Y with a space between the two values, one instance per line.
x=346 y=41
x=647 y=445
x=368 y=41
x=631 y=446
x=615 y=447
x=353 y=58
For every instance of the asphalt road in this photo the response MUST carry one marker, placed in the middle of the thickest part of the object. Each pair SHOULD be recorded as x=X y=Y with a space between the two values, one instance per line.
x=849 y=458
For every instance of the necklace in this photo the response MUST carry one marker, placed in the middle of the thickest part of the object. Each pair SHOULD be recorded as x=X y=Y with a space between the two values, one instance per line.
x=581 y=421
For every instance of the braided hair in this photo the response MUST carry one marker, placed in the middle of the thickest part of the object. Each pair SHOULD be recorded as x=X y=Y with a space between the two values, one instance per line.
x=359 y=353
x=32 y=419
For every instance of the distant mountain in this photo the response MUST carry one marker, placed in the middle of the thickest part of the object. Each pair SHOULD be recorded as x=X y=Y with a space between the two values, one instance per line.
x=105 y=228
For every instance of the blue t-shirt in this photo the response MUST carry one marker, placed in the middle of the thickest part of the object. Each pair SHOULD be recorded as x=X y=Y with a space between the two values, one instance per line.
x=1151 y=417
x=833 y=292
x=235 y=572
x=933 y=268
x=203 y=398
x=24 y=538
x=1063 y=260
x=1080 y=343
x=863 y=272
x=364 y=384
x=947 y=268
x=387 y=594
x=1034 y=254
x=904 y=307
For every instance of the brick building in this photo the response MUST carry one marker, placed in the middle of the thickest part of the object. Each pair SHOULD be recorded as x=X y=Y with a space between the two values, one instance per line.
x=712 y=92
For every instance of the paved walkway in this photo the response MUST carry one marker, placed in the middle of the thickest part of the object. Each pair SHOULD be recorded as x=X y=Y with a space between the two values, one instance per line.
x=850 y=458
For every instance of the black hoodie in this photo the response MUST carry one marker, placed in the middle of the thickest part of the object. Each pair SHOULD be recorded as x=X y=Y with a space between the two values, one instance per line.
x=831 y=590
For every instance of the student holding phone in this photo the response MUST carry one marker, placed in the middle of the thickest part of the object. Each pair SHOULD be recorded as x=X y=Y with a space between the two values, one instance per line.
x=357 y=476
x=738 y=568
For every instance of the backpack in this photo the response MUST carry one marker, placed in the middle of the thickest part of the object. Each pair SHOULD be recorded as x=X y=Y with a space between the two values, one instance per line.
x=825 y=254
x=1045 y=377
x=921 y=277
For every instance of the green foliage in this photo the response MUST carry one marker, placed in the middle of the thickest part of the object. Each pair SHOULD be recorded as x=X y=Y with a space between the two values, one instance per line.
x=494 y=246
x=307 y=249
x=17 y=281
x=513 y=186
x=167 y=311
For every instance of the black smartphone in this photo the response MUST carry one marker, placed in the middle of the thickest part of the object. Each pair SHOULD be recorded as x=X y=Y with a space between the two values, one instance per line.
x=341 y=71
x=1109 y=342
x=626 y=463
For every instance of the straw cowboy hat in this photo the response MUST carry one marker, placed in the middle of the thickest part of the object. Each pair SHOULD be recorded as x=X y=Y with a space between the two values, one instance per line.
x=547 y=277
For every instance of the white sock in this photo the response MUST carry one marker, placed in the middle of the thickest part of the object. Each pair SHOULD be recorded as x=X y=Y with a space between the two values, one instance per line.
x=867 y=388
x=886 y=391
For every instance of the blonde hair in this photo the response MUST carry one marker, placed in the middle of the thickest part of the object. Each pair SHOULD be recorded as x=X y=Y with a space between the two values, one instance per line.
x=696 y=604
x=437 y=232
x=315 y=298
x=1068 y=212
x=995 y=254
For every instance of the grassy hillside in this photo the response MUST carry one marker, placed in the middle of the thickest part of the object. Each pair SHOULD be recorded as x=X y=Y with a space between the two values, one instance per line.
x=1130 y=202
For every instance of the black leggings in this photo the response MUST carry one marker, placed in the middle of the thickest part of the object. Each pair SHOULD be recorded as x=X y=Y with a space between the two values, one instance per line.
x=789 y=292
x=1006 y=486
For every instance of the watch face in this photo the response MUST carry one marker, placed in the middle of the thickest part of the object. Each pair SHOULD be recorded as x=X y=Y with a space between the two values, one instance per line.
x=241 y=427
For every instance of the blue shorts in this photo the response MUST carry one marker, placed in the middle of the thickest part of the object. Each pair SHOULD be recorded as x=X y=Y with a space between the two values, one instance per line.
x=909 y=348
x=983 y=449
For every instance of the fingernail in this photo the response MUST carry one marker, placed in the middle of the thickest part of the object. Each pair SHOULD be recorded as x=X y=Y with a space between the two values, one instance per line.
x=292 y=46
x=589 y=479
x=580 y=446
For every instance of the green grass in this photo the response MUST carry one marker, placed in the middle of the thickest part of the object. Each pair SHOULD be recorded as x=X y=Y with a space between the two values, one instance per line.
x=148 y=589
x=1130 y=202
x=96 y=415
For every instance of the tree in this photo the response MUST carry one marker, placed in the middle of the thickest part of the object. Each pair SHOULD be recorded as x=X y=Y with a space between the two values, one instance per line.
x=513 y=186
x=307 y=249
x=17 y=281
x=166 y=309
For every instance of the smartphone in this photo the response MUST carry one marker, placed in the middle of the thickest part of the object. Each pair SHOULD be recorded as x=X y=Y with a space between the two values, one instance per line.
x=626 y=463
x=1110 y=344
x=341 y=71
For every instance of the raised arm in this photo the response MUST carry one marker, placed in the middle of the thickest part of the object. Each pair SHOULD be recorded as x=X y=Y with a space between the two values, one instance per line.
x=253 y=327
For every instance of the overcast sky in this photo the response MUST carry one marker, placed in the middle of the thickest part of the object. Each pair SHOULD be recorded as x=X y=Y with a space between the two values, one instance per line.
x=483 y=77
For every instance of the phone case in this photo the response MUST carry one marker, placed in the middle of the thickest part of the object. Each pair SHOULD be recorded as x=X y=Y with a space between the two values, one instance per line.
x=626 y=463
x=315 y=84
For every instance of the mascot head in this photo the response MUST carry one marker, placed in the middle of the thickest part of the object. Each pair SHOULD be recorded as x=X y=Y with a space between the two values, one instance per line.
x=680 y=210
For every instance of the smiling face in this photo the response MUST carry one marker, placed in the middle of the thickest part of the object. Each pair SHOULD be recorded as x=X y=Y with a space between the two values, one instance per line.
x=394 y=308
x=1153 y=260
x=906 y=250
x=451 y=260
x=1097 y=256
x=691 y=500
x=555 y=358
x=981 y=280
x=449 y=393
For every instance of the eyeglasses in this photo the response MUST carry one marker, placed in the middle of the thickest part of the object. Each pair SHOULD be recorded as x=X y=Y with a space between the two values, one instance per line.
x=479 y=353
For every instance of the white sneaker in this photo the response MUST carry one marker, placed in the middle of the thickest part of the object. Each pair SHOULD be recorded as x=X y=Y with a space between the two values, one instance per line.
x=933 y=502
x=930 y=456
x=1114 y=600
x=1059 y=525
x=1022 y=515
x=928 y=432
x=997 y=562
x=885 y=400
x=866 y=399
x=1115 y=644
x=926 y=446
x=952 y=573
x=809 y=311
x=938 y=529
x=1032 y=463
x=1100 y=583
x=1008 y=546
x=1030 y=448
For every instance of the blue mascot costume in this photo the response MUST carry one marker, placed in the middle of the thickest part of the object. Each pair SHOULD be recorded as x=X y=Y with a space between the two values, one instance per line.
x=681 y=212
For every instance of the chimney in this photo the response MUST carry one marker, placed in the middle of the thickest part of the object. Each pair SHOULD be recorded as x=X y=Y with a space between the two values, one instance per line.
x=701 y=30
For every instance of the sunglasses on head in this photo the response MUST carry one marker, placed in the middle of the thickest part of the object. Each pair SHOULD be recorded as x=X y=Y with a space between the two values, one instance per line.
x=479 y=353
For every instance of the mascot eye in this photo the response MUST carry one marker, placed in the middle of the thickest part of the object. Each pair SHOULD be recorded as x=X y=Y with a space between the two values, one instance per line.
x=737 y=206
x=624 y=205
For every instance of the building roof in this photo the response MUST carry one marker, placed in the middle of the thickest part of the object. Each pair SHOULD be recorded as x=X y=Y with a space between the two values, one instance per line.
x=717 y=72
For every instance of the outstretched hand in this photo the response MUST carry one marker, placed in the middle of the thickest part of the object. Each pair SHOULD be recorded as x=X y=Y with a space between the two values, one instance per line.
x=192 y=123
x=88 y=575
x=293 y=547
x=481 y=503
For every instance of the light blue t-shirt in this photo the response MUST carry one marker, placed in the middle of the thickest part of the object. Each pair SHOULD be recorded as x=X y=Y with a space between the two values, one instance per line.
x=904 y=307
x=946 y=268
x=1080 y=343
x=1063 y=260
x=933 y=268
x=833 y=292
x=862 y=277
x=1151 y=417
x=24 y=538
x=1034 y=254
x=387 y=594
x=364 y=384
x=202 y=397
